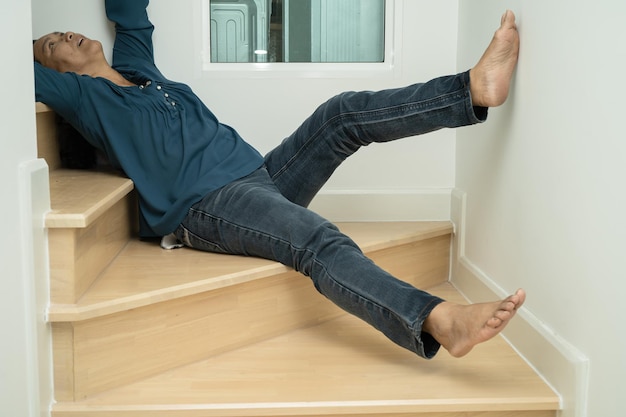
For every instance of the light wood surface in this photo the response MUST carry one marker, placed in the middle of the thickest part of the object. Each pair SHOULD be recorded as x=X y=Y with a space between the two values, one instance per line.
x=125 y=347
x=79 y=255
x=144 y=273
x=47 y=142
x=142 y=332
x=77 y=410
x=336 y=368
x=163 y=324
x=78 y=197
x=42 y=108
x=63 y=361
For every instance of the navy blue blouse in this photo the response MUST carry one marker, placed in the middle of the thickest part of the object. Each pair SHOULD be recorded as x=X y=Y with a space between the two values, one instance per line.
x=158 y=132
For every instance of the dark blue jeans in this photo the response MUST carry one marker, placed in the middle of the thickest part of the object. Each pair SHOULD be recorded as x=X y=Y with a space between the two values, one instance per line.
x=265 y=214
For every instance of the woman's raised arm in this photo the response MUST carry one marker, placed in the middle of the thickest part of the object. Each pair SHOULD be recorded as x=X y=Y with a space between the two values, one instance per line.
x=133 y=33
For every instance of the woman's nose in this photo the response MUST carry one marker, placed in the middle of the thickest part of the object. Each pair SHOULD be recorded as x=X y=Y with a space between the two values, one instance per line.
x=68 y=36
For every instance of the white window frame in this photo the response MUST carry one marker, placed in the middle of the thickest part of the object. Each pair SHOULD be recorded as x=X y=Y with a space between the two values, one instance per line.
x=389 y=68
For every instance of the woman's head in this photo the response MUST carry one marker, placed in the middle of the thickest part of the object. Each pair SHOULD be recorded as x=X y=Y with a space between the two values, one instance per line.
x=69 y=52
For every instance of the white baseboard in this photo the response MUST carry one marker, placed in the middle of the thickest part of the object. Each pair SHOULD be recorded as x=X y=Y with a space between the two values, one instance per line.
x=383 y=205
x=562 y=366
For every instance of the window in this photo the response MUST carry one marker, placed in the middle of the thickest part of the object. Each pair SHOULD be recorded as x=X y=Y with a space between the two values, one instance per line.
x=297 y=31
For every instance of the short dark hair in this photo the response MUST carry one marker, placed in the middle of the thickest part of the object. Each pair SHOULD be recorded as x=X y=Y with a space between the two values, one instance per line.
x=35 y=59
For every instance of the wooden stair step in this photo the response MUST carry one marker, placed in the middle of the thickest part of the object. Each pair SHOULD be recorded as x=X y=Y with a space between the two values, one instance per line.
x=341 y=367
x=47 y=142
x=93 y=216
x=144 y=273
x=154 y=310
x=139 y=331
x=79 y=197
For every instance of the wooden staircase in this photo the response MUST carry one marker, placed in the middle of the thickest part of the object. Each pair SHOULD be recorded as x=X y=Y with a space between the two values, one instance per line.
x=143 y=332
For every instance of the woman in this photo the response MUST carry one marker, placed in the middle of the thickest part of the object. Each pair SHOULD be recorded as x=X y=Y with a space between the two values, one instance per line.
x=198 y=179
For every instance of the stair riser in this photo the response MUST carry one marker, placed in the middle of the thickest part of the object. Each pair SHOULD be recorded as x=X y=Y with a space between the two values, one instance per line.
x=114 y=350
x=123 y=347
x=47 y=143
x=78 y=256
x=63 y=361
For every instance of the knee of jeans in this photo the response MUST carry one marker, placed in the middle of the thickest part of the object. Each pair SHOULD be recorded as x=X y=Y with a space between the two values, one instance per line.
x=337 y=105
x=324 y=246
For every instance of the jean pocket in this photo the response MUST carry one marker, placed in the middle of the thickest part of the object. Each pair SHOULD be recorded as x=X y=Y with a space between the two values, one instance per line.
x=194 y=241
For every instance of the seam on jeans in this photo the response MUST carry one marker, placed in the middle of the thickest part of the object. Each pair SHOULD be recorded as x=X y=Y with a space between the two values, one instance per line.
x=461 y=95
x=420 y=323
x=188 y=233
x=421 y=318
x=244 y=228
x=215 y=247
x=369 y=300
x=185 y=237
x=293 y=247
x=389 y=311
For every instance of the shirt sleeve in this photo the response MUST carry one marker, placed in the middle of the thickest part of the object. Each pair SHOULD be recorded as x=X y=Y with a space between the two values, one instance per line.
x=133 y=33
x=61 y=91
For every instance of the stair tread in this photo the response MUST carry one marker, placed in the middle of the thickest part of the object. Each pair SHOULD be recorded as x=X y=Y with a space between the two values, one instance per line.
x=143 y=273
x=42 y=108
x=78 y=197
x=343 y=367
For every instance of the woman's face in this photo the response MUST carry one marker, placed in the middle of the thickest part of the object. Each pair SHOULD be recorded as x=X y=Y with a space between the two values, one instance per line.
x=68 y=52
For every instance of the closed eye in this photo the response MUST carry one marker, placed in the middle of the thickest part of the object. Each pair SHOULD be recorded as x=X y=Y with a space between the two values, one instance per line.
x=49 y=44
x=52 y=43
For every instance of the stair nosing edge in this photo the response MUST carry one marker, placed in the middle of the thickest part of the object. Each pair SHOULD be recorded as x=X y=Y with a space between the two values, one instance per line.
x=58 y=220
x=325 y=407
x=71 y=312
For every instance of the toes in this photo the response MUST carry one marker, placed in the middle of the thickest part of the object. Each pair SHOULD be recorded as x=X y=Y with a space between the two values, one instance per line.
x=515 y=301
x=504 y=16
x=509 y=305
x=508 y=19
x=503 y=315
x=494 y=322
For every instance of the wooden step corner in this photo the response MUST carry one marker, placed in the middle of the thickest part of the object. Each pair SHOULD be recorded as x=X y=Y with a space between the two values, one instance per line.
x=79 y=197
x=93 y=216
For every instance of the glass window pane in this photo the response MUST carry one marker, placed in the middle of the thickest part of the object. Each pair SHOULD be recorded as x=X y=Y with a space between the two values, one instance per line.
x=297 y=30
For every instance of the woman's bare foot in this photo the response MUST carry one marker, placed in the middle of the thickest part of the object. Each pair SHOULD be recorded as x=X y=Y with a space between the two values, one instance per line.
x=491 y=77
x=458 y=328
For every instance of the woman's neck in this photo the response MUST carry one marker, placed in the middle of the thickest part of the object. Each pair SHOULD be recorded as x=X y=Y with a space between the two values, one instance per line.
x=116 y=78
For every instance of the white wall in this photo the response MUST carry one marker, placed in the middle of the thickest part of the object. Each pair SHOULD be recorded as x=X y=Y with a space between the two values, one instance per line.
x=544 y=179
x=266 y=109
x=24 y=348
